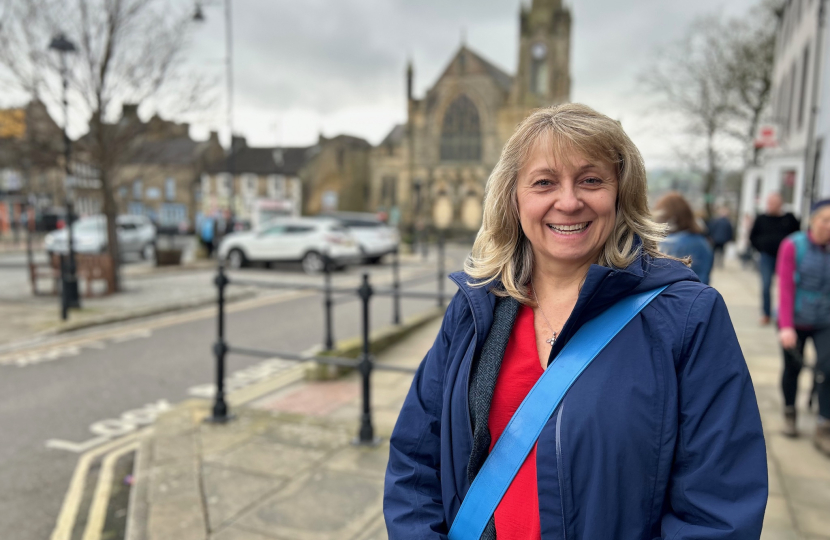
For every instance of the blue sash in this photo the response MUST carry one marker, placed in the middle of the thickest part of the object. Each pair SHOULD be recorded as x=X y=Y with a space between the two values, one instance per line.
x=524 y=428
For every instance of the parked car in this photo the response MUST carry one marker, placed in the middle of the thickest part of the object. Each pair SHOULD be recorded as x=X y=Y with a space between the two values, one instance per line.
x=307 y=240
x=374 y=237
x=136 y=234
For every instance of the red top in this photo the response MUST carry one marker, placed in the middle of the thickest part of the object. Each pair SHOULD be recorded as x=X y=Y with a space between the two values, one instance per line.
x=517 y=516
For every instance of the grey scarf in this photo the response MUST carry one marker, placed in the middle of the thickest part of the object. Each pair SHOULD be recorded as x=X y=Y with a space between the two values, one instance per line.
x=483 y=375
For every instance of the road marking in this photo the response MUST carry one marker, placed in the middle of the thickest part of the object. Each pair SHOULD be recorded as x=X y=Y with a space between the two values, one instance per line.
x=141 y=333
x=243 y=377
x=113 y=428
x=72 y=500
x=100 y=500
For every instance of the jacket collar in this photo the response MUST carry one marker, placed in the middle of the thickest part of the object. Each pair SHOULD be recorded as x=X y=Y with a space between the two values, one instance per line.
x=603 y=287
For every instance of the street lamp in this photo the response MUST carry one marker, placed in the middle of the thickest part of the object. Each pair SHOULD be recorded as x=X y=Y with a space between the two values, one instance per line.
x=199 y=16
x=69 y=295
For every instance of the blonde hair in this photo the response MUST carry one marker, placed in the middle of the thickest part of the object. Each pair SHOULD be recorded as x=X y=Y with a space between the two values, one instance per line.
x=501 y=250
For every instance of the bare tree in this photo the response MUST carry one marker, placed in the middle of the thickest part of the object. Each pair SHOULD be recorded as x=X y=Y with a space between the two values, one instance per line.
x=751 y=53
x=691 y=78
x=128 y=51
x=716 y=81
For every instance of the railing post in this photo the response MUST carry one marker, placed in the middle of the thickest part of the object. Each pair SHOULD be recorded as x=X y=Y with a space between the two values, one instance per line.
x=396 y=288
x=441 y=277
x=220 y=349
x=328 y=303
x=64 y=289
x=366 y=436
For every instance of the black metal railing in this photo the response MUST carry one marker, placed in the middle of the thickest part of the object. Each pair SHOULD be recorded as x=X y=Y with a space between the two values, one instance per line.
x=364 y=364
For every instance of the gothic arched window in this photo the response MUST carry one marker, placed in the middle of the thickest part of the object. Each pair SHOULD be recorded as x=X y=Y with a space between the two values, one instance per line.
x=461 y=132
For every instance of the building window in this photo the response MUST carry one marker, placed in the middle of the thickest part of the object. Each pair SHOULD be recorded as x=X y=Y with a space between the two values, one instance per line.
x=170 y=189
x=461 y=132
x=172 y=214
x=389 y=191
x=138 y=189
x=276 y=187
x=341 y=159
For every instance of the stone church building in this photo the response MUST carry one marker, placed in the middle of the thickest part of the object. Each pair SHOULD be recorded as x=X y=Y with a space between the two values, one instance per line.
x=430 y=172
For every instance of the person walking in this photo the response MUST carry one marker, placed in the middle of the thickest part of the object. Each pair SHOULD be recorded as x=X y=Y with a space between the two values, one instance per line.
x=684 y=238
x=766 y=235
x=804 y=313
x=659 y=436
x=721 y=233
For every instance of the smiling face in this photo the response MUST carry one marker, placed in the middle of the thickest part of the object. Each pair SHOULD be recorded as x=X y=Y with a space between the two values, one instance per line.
x=567 y=207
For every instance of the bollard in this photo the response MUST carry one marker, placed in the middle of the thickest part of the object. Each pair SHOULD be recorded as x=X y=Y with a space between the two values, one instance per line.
x=441 y=277
x=220 y=349
x=396 y=287
x=366 y=436
x=327 y=304
x=64 y=289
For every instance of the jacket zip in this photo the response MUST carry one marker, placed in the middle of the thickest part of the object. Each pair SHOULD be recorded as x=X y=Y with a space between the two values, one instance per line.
x=559 y=467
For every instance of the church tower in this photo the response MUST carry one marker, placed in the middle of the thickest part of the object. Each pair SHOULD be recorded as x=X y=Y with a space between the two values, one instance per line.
x=543 y=76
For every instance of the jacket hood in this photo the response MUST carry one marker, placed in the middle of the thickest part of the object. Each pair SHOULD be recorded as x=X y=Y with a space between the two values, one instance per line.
x=603 y=287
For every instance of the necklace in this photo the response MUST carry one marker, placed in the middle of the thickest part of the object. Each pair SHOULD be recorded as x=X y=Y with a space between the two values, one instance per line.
x=554 y=334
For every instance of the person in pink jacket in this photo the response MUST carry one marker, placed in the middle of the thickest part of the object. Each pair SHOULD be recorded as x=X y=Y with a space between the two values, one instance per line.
x=803 y=268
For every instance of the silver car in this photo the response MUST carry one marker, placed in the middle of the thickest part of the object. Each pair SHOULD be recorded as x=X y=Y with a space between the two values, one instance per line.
x=136 y=234
x=307 y=240
x=374 y=237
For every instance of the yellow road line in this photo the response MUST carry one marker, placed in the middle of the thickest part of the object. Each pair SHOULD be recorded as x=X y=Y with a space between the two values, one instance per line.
x=72 y=500
x=100 y=500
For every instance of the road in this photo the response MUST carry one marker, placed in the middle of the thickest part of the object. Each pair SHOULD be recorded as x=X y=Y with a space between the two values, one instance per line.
x=80 y=390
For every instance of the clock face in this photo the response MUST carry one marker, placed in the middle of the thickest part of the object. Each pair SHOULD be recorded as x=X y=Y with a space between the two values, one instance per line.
x=539 y=51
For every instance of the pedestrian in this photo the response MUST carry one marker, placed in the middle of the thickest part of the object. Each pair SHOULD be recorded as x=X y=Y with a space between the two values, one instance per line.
x=804 y=313
x=721 y=233
x=207 y=233
x=768 y=230
x=659 y=437
x=684 y=238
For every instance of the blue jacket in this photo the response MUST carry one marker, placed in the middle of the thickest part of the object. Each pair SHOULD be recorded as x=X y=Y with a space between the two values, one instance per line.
x=686 y=244
x=660 y=437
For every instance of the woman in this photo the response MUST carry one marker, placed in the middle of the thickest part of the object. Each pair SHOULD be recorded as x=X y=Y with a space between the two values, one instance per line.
x=803 y=269
x=659 y=437
x=685 y=238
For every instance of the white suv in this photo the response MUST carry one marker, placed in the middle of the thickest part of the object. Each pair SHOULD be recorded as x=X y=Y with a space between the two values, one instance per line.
x=136 y=234
x=308 y=240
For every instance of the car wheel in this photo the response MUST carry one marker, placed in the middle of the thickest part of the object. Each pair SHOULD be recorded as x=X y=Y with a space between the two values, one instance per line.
x=236 y=259
x=148 y=252
x=374 y=260
x=313 y=263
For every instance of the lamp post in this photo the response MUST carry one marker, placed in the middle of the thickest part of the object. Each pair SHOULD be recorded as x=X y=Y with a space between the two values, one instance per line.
x=198 y=16
x=70 y=297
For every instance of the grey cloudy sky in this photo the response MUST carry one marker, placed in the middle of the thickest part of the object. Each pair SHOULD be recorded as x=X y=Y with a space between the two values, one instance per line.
x=337 y=66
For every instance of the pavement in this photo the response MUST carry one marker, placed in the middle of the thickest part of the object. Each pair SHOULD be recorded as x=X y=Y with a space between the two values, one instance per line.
x=286 y=467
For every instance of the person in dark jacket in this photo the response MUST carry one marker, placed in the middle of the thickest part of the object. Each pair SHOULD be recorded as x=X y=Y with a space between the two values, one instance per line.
x=767 y=232
x=659 y=437
x=684 y=238
x=721 y=233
